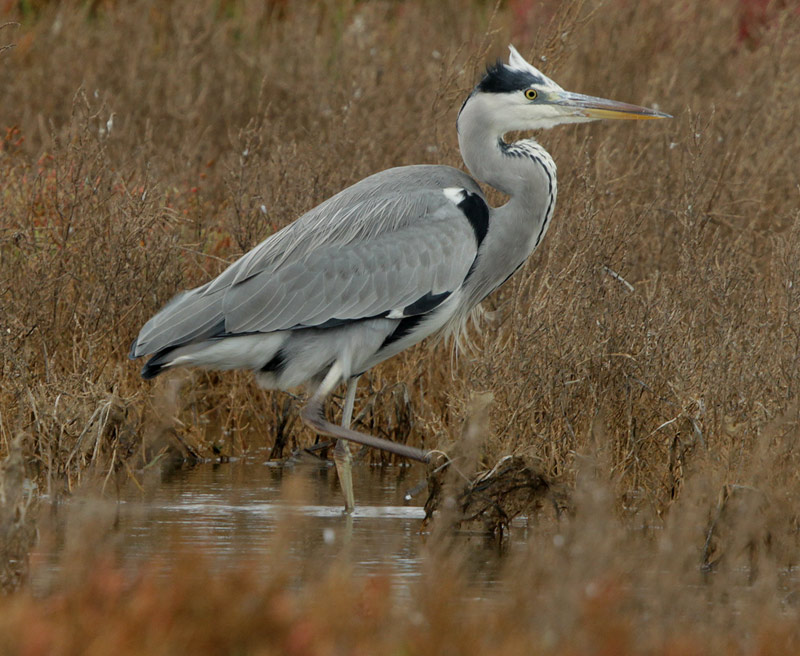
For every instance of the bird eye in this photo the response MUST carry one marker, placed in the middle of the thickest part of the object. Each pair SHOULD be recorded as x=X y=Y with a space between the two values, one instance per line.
x=531 y=94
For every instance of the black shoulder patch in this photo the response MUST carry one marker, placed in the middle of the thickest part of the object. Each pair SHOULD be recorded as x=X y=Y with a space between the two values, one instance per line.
x=477 y=212
x=500 y=78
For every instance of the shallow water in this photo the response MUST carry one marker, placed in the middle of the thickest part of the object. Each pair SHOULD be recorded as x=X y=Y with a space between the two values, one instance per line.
x=238 y=512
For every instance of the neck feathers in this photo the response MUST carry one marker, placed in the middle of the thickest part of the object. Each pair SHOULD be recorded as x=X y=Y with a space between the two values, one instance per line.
x=522 y=169
x=532 y=151
x=539 y=189
x=509 y=167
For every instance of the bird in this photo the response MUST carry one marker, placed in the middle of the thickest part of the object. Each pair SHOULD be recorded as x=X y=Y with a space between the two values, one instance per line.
x=401 y=255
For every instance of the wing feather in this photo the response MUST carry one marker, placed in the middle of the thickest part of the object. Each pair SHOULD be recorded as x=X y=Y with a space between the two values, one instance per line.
x=376 y=247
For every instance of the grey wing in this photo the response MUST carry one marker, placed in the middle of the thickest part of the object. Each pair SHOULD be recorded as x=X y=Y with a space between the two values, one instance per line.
x=391 y=245
x=379 y=204
x=389 y=275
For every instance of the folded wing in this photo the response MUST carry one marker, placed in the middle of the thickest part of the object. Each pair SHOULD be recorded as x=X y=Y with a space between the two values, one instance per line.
x=390 y=246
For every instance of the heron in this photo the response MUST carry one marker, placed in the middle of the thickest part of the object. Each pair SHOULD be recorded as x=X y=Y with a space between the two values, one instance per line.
x=403 y=254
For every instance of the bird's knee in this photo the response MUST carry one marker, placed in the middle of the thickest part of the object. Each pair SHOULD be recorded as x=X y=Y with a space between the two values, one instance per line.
x=313 y=416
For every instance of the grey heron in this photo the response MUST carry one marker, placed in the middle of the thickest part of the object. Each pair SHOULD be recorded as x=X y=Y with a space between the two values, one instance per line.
x=396 y=257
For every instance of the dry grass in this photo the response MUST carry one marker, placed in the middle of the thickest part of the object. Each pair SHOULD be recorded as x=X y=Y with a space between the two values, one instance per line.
x=649 y=350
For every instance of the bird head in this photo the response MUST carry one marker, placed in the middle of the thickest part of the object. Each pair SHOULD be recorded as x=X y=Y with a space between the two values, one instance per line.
x=518 y=96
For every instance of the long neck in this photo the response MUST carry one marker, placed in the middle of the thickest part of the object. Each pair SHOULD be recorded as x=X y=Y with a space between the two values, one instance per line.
x=523 y=170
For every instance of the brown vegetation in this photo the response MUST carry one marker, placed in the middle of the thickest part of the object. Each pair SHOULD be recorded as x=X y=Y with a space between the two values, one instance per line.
x=647 y=357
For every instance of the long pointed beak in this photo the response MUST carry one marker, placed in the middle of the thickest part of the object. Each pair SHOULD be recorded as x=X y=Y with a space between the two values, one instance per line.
x=592 y=107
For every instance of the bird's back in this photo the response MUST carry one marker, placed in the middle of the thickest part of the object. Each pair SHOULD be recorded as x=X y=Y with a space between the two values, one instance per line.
x=405 y=200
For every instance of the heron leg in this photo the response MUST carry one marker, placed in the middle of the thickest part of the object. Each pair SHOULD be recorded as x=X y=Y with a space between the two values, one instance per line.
x=341 y=453
x=313 y=415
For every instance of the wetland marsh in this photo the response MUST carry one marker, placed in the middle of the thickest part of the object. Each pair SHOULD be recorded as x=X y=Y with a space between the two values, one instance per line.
x=645 y=362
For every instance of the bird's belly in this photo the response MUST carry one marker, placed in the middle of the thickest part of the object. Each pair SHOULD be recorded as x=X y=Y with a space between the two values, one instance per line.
x=307 y=354
x=290 y=358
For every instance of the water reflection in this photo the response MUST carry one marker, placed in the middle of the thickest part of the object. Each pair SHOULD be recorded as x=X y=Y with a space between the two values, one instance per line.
x=238 y=512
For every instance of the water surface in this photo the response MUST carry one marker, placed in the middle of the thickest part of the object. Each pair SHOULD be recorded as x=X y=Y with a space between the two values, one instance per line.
x=244 y=511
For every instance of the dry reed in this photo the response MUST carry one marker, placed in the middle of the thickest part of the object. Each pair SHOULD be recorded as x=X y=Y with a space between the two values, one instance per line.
x=647 y=356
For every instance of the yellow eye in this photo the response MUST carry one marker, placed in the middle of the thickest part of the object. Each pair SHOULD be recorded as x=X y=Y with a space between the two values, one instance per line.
x=531 y=94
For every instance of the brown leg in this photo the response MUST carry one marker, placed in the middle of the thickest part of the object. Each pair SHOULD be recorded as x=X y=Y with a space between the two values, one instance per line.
x=313 y=415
